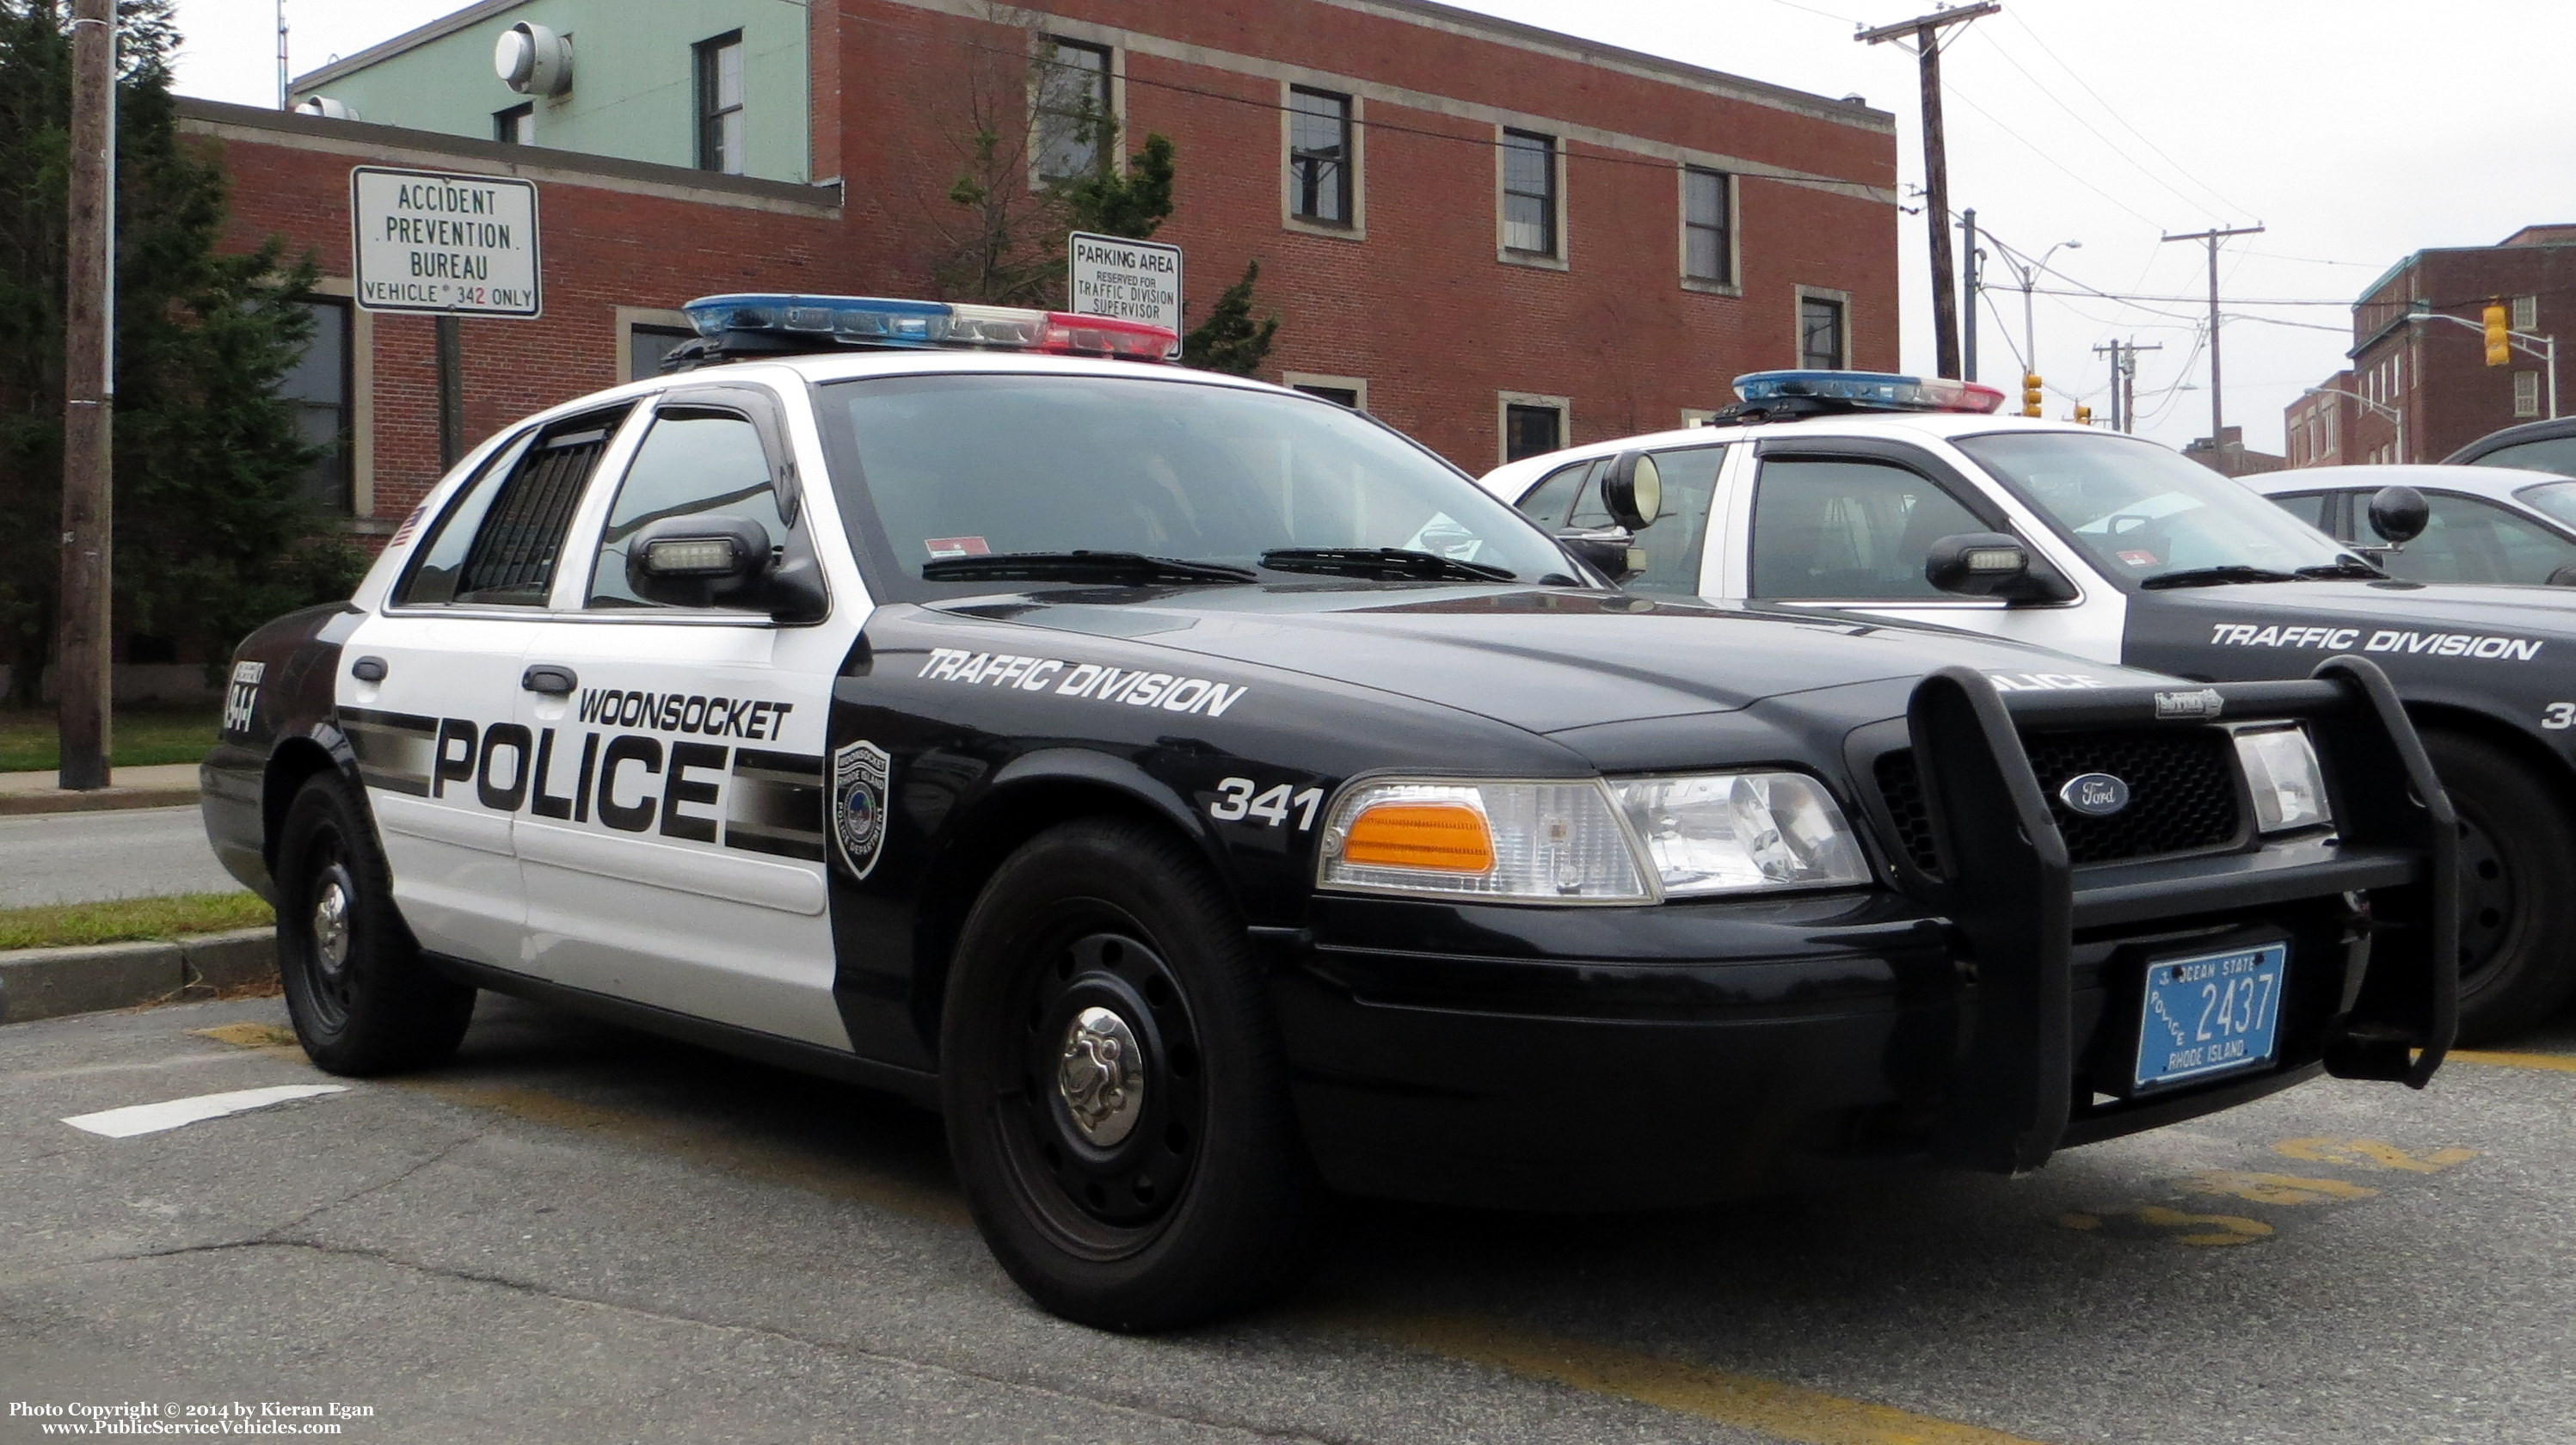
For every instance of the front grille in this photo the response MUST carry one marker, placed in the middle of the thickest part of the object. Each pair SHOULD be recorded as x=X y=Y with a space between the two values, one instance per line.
x=2182 y=793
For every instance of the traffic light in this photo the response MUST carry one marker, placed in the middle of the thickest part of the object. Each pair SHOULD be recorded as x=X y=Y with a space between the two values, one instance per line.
x=2499 y=344
x=2083 y=414
x=2030 y=398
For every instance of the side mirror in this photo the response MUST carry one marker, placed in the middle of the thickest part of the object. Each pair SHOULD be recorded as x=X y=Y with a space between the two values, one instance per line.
x=1633 y=490
x=2399 y=514
x=701 y=561
x=2559 y=577
x=1990 y=564
x=1611 y=551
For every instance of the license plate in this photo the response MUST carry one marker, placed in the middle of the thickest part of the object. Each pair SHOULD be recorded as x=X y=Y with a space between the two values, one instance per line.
x=2210 y=1014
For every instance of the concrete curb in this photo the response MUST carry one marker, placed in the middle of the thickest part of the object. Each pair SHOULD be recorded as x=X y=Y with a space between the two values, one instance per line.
x=44 y=983
x=97 y=801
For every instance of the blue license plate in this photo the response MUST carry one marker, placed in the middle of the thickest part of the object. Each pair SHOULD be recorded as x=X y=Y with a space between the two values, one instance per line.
x=2212 y=1013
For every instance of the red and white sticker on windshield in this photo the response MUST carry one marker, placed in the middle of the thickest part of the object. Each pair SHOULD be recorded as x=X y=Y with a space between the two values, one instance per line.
x=956 y=547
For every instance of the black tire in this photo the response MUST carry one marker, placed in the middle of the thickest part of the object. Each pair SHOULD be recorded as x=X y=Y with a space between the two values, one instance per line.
x=361 y=998
x=2517 y=888
x=1190 y=1197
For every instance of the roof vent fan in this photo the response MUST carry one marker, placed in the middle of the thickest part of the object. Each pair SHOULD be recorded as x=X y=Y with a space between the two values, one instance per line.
x=533 y=60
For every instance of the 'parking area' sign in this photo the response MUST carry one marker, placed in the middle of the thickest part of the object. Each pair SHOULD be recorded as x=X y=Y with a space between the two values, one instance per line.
x=1131 y=280
x=441 y=244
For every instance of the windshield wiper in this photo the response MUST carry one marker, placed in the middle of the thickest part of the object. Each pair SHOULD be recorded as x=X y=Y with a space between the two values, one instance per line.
x=1398 y=563
x=2217 y=576
x=2342 y=567
x=1080 y=567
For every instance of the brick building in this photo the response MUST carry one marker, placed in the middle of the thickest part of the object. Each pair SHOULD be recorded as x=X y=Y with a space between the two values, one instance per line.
x=2432 y=374
x=2319 y=424
x=1497 y=238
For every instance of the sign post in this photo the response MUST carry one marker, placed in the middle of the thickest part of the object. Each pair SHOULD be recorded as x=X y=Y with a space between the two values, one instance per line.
x=1130 y=280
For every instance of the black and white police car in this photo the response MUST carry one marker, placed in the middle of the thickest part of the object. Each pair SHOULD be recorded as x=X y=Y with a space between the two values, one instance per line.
x=1862 y=495
x=1205 y=796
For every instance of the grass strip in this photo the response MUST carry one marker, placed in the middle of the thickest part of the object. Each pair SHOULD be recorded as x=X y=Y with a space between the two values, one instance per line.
x=145 y=736
x=128 y=920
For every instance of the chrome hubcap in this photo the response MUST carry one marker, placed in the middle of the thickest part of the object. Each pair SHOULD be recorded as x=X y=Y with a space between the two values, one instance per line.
x=1100 y=1075
x=331 y=926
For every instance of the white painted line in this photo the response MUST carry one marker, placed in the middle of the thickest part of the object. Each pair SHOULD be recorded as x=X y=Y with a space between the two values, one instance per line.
x=136 y=1119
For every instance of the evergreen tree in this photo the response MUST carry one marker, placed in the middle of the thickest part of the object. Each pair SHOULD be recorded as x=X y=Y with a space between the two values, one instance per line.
x=1230 y=340
x=213 y=535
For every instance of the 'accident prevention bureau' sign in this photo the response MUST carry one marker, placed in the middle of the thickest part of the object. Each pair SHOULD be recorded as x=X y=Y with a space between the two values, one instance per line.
x=1131 y=280
x=444 y=244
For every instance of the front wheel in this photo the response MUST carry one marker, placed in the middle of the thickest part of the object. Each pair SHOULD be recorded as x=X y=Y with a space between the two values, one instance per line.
x=1115 y=1093
x=2517 y=888
x=360 y=997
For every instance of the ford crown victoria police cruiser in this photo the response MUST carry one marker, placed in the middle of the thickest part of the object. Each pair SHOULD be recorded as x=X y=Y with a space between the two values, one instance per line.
x=1203 y=795
x=1841 y=493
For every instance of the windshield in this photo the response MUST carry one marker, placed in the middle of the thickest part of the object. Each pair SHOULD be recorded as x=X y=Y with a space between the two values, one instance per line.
x=2549 y=454
x=978 y=465
x=2142 y=512
x=2554 y=499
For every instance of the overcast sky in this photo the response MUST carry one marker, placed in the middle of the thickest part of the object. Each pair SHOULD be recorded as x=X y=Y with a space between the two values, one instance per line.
x=2354 y=130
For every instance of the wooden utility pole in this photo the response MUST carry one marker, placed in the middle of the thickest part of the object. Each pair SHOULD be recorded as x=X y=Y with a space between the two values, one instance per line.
x=1926 y=32
x=83 y=720
x=2217 y=411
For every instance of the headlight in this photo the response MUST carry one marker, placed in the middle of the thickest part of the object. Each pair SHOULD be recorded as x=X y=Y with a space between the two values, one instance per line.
x=2281 y=769
x=1554 y=841
x=1630 y=840
x=1727 y=832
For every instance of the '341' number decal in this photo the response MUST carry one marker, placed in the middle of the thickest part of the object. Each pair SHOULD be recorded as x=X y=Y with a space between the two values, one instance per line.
x=1239 y=798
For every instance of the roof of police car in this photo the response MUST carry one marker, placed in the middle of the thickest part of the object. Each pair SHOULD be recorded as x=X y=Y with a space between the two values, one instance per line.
x=1888 y=425
x=2499 y=483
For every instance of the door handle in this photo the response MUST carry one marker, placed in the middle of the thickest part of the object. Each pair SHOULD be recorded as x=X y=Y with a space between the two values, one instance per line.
x=548 y=678
x=368 y=669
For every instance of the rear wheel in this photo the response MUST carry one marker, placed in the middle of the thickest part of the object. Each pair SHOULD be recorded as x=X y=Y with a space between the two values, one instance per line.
x=2517 y=888
x=361 y=998
x=1116 y=1099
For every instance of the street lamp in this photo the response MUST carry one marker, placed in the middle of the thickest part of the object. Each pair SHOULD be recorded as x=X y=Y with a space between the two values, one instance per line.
x=2029 y=277
x=2530 y=343
x=2390 y=412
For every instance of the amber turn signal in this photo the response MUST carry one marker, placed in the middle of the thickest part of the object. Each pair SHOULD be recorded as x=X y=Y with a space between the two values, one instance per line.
x=1441 y=837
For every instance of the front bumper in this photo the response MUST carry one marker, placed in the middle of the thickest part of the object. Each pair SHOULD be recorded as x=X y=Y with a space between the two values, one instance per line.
x=1605 y=1058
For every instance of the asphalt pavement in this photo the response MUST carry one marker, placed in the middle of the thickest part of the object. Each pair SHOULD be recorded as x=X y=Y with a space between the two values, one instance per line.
x=86 y=857
x=577 y=1233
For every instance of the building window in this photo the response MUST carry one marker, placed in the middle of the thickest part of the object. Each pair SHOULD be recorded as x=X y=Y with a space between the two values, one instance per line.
x=1529 y=193
x=1349 y=391
x=317 y=387
x=720 y=139
x=1822 y=342
x=516 y=126
x=2526 y=393
x=1319 y=156
x=2526 y=313
x=1075 y=109
x=1532 y=425
x=1708 y=240
x=647 y=345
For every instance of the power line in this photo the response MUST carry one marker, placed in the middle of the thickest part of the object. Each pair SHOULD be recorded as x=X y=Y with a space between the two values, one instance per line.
x=2113 y=112
x=2053 y=161
x=2110 y=144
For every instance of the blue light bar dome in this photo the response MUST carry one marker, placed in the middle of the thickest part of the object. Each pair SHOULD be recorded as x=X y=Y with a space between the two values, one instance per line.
x=1868 y=391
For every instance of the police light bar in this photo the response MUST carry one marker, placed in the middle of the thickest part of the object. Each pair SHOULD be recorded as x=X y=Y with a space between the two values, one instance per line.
x=822 y=322
x=1868 y=391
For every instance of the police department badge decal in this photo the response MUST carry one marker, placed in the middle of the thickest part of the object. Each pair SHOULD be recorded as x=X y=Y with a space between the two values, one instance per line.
x=859 y=773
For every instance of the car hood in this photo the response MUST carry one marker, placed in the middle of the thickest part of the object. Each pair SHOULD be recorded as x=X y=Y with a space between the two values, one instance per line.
x=1540 y=659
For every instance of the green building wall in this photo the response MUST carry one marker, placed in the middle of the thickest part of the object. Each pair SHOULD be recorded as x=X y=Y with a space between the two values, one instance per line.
x=634 y=87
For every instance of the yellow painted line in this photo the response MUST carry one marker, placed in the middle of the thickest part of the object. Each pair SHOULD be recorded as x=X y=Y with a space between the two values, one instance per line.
x=1789 y=1412
x=250 y=1036
x=2554 y=1063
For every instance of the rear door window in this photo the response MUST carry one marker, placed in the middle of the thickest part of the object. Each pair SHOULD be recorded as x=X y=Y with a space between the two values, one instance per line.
x=498 y=542
x=2468 y=540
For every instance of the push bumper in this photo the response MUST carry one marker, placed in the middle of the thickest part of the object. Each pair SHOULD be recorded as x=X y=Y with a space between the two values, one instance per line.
x=1606 y=1058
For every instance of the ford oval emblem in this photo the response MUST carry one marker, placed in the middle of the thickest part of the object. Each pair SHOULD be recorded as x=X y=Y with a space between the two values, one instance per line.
x=2095 y=795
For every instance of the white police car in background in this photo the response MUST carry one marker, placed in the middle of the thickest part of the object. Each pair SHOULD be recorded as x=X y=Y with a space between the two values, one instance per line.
x=1201 y=794
x=1905 y=499
x=2482 y=524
